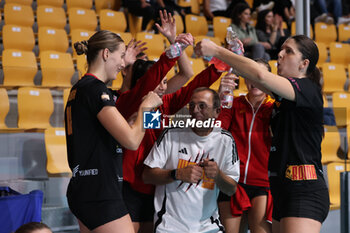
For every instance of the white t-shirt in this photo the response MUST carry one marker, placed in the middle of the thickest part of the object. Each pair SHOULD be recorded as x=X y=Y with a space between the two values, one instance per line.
x=194 y=209
x=218 y=5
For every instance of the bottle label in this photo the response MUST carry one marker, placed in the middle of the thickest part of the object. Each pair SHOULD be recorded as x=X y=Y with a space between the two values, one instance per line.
x=226 y=99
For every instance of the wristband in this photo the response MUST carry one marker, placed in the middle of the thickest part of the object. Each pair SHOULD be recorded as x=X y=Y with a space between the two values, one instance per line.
x=173 y=174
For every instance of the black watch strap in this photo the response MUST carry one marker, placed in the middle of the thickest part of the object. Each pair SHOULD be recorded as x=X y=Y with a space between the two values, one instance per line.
x=173 y=174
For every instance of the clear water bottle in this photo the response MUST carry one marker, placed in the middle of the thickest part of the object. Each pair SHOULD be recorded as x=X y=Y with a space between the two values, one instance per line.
x=226 y=92
x=175 y=50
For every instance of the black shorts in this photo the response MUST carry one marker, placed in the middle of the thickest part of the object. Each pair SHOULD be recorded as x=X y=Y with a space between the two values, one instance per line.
x=139 y=205
x=303 y=204
x=251 y=190
x=97 y=213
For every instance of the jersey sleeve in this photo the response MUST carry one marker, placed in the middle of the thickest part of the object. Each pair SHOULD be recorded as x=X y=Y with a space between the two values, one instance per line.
x=225 y=117
x=182 y=96
x=129 y=101
x=159 y=154
x=98 y=96
x=306 y=93
x=231 y=162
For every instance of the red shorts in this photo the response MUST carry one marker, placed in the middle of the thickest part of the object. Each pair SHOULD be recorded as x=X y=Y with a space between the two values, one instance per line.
x=240 y=201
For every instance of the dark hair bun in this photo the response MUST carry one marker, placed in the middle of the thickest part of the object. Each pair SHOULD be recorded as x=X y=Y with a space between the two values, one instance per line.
x=81 y=47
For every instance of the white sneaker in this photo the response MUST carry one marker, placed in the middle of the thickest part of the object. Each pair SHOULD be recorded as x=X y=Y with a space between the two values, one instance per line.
x=329 y=20
x=267 y=6
x=343 y=20
x=321 y=18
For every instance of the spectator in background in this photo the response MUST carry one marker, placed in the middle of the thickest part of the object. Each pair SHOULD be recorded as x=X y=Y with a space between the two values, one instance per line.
x=34 y=227
x=247 y=34
x=285 y=9
x=269 y=29
x=324 y=8
x=224 y=8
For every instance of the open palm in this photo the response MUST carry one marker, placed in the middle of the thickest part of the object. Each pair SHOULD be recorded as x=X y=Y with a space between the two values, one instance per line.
x=168 y=28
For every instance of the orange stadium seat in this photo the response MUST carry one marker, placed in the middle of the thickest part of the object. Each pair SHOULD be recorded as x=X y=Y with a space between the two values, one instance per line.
x=344 y=32
x=109 y=19
x=323 y=53
x=293 y=30
x=330 y=145
x=196 y=25
x=334 y=77
x=333 y=174
x=56 y=3
x=19 y=67
x=4 y=107
x=273 y=64
x=81 y=65
x=194 y=4
x=56 y=151
x=51 y=16
x=135 y=23
x=126 y=36
x=16 y=14
x=104 y=4
x=52 y=39
x=341 y=107
x=179 y=24
x=18 y=37
x=117 y=83
x=339 y=53
x=66 y=92
x=197 y=67
x=80 y=18
x=22 y=2
x=155 y=43
x=220 y=25
x=86 y=4
x=35 y=107
x=325 y=33
x=57 y=69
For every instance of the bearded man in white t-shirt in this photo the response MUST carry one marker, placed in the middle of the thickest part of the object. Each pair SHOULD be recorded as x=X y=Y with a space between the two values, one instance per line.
x=190 y=166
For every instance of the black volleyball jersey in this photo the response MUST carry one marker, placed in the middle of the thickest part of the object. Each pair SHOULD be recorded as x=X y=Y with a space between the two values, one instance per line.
x=297 y=129
x=94 y=156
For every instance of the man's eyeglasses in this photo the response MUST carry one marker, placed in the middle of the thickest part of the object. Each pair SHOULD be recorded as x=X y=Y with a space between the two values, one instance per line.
x=201 y=106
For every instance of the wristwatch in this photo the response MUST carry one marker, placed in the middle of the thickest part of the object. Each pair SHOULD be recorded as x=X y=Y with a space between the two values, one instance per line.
x=173 y=174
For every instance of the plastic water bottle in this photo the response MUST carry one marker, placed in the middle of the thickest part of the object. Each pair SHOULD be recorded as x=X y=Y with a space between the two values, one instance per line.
x=175 y=50
x=226 y=92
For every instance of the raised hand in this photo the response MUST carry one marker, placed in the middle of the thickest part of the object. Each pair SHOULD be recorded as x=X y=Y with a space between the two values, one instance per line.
x=185 y=38
x=205 y=48
x=134 y=47
x=151 y=100
x=168 y=28
x=228 y=80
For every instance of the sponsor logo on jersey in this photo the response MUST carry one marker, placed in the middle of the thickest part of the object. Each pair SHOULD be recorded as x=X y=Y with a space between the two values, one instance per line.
x=87 y=172
x=301 y=172
x=183 y=151
x=105 y=96
x=151 y=120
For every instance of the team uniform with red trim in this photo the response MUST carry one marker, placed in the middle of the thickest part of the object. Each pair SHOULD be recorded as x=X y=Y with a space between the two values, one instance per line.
x=185 y=207
x=250 y=129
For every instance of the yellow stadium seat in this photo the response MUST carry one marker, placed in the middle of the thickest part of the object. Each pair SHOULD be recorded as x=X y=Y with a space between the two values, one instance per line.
x=52 y=39
x=179 y=24
x=82 y=65
x=325 y=33
x=126 y=36
x=78 y=35
x=19 y=67
x=220 y=25
x=250 y=3
x=17 y=14
x=330 y=145
x=323 y=53
x=339 y=53
x=273 y=64
x=56 y=151
x=35 y=107
x=197 y=67
x=341 y=107
x=333 y=174
x=293 y=30
x=135 y=23
x=155 y=43
x=18 y=37
x=241 y=85
x=51 y=16
x=344 y=32
x=194 y=4
x=117 y=83
x=196 y=25
x=334 y=77
x=237 y=93
x=4 y=107
x=215 y=86
x=325 y=101
x=104 y=4
x=114 y=21
x=57 y=69
x=85 y=4
x=56 y=3
x=22 y=2
x=216 y=40
x=66 y=92
x=80 y=18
